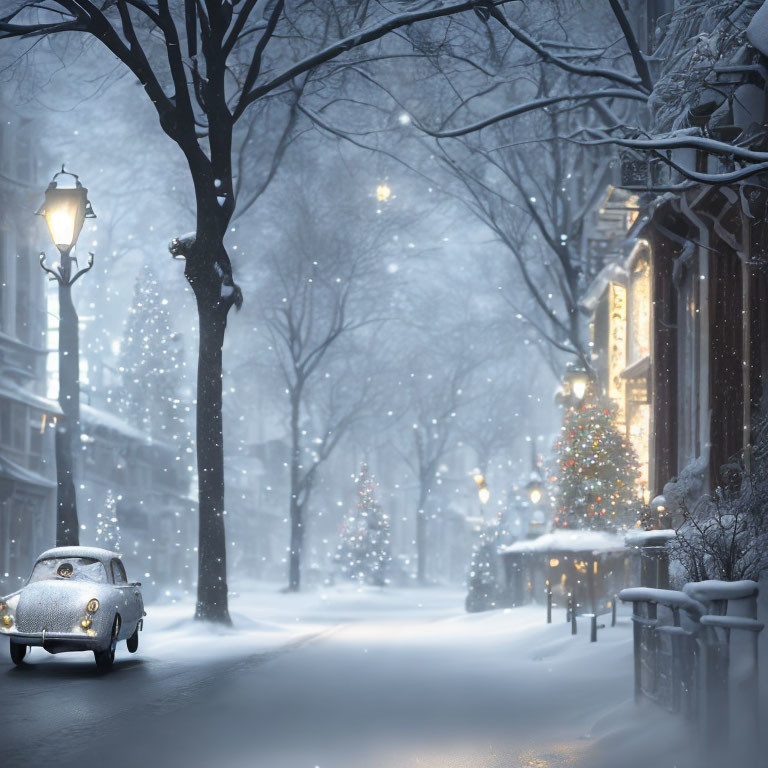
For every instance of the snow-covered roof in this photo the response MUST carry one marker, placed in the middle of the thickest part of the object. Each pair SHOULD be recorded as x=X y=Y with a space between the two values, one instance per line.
x=569 y=541
x=13 y=391
x=9 y=469
x=94 y=417
x=93 y=553
x=610 y=273
x=640 y=538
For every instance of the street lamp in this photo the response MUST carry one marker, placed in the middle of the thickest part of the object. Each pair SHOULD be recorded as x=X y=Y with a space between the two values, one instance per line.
x=383 y=193
x=534 y=492
x=483 y=492
x=534 y=487
x=576 y=382
x=65 y=210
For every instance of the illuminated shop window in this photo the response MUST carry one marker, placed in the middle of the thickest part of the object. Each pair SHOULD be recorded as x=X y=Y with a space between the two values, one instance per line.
x=640 y=307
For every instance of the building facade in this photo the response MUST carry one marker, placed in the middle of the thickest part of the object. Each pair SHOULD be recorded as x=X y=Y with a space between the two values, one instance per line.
x=27 y=468
x=680 y=315
x=134 y=495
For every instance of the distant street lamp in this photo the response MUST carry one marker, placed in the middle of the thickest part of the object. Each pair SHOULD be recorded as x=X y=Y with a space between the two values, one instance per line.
x=534 y=487
x=383 y=193
x=65 y=210
x=483 y=492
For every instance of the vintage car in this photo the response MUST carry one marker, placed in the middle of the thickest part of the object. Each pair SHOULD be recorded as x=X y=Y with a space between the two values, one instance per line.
x=77 y=599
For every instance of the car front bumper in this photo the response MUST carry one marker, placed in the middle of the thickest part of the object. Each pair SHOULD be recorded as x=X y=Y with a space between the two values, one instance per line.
x=57 y=642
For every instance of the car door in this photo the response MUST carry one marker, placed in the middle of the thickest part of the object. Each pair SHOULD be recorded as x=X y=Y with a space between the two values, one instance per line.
x=132 y=608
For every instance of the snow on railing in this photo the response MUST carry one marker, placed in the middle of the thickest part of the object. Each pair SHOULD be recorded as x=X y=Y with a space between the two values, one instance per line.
x=696 y=653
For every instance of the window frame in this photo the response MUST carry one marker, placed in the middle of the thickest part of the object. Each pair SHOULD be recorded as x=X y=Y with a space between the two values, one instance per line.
x=121 y=570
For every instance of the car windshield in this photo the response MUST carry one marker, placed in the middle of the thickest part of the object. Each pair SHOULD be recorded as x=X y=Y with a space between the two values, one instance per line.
x=69 y=568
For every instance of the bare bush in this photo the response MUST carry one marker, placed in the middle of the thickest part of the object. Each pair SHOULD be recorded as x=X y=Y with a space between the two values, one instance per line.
x=725 y=535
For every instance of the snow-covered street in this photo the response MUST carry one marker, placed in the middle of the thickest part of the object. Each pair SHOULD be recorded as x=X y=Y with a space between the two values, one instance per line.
x=339 y=679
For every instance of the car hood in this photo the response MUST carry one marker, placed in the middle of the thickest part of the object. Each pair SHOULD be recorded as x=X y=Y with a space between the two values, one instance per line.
x=56 y=605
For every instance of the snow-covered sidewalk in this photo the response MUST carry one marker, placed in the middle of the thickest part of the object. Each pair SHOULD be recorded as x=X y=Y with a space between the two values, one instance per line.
x=406 y=678
x=350 y=678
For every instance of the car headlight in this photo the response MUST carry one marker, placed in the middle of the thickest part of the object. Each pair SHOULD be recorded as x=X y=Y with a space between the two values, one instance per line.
x=93 y=605
x=7 y=609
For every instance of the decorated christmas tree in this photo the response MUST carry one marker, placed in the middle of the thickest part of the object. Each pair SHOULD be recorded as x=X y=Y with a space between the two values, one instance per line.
x=597 y=470
x=152 y=365
x=364 y=549
x=107 y=527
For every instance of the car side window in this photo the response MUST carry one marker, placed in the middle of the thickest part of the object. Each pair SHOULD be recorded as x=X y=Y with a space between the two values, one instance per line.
x=118 y=573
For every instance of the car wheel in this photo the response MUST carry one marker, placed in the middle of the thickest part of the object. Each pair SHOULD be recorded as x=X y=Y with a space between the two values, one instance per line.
x=18 y=652
x=106 y=658
x=133 y=641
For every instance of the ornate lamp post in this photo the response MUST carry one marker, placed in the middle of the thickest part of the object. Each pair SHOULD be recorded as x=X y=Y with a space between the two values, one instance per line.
x=65 y=210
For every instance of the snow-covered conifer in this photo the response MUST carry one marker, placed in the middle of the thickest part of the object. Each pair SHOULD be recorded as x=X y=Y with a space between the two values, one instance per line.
x=152 y=364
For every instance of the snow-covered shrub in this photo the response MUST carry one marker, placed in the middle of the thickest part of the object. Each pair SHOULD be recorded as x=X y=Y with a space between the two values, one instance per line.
x=725 y=535
x=484 y=589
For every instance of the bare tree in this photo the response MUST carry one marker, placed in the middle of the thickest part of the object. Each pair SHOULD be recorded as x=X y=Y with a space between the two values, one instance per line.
x=667 y=79
x=433 y=387
x=319 y=299
x=204 y=65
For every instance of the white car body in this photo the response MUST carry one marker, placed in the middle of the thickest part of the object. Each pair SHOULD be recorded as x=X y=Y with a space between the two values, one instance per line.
x=77 y=599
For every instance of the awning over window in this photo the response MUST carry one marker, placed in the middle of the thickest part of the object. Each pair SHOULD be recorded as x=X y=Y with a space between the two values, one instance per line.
x=12 y=472
x=637 y=370
x=11 y=391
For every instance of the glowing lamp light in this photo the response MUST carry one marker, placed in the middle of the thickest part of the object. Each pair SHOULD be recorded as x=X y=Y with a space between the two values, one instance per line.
x=65 y=209
x=576 y=382
x=484 y=494
x=383 y=193
x=535 y=496
x=554 y=562
x=479 y=478
x=579 y=388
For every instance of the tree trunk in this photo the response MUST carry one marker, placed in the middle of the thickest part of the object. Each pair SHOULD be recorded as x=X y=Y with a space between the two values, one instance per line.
x=421 y=536
x=212 y=603
x=68 y=425
x=296 y=509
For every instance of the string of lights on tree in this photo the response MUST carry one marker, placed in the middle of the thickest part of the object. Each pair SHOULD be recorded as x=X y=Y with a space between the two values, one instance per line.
x=364 y=550
x=597 y=470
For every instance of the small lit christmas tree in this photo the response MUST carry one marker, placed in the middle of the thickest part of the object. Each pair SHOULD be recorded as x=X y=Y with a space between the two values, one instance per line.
x=483 y=583
x=597 y=470
x=107 y=527
x=152 y=365
x=364 y=550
